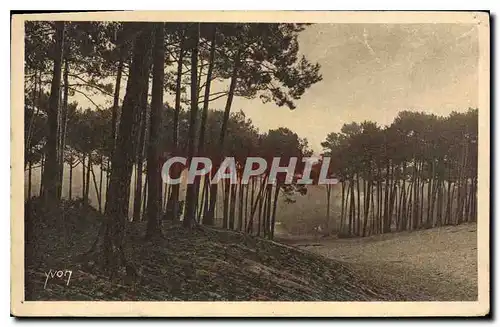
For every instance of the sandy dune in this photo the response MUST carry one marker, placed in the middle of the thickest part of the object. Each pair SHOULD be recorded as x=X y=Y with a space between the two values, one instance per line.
x=436 y=264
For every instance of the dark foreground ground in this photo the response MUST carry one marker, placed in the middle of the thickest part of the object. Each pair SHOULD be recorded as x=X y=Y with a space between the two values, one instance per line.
x=202 y=264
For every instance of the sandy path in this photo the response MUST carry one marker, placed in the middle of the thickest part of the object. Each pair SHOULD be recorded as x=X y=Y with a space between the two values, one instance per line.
x=439 y=264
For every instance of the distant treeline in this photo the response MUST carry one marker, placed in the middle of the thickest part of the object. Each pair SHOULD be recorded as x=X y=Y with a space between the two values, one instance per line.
x=419 y=172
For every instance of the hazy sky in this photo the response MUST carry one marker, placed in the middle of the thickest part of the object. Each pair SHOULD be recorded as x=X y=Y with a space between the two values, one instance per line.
x=371 y=72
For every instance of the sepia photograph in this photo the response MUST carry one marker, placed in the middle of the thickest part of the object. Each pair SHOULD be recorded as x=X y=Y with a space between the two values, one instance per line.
x=250 y=164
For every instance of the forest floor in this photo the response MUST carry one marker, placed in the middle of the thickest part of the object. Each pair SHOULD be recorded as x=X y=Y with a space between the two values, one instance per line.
x=437 y=264
x=209 y=264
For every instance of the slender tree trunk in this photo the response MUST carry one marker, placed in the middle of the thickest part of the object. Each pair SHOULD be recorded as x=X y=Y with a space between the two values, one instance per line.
x=30 y=171
x=225 y=214
x=439 y=216
x=409 y=209
x=415 y=197
x=42 y=167
x=232 y=207
x=254 y=206
x=240 y=206
x=201 y=208
x=249 y=223
x=392 y=202
x=144 y=196
x=275 y=206
x=352 y=214
x=64 y=123
x=373 y=223
x=342 y=209
x=118 y=195
x=173 y=201
x=116 y=96
x=191 y=200
x=222 y=136
x=100 y=183
x=268 y=209
x=140 y=156
x=449 y=204
x=97 y=193
x=366 y=195
x=358 y=223
x=35 y=108
x=404 y=199
x=247 y=190
x=153 y=164
x=207 y=219
x=86 y=200
x=328 y=196
x=84 y=185
x=50 y=178
x=206 y=190
x=259 y=225
x=70 y=191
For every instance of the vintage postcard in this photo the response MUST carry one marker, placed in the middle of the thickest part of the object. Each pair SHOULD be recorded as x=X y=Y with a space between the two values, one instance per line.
x=245 y=164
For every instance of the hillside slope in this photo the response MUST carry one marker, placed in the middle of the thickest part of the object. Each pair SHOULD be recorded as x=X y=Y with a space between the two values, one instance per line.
x=199 y=264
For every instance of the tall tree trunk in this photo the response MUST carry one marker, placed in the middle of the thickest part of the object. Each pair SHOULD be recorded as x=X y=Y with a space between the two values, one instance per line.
x=140 y=156
x=100 y=182
x=144 y=196
x=173 y=200
x=245 y=215
x=366 y=195
x=373 y=223
x=341 y=228
x=70 y=190
x=439 y=216
x=86 y=200
x=116 y=96
x=254 y=206
x=359 y=206
x=275 y=206
x=240 y=206
x=386 y=222
x=206 y=190
x=84 y=185
x=352 y=212
x=97 y=194
x=259 y=225
x=202 y=202
x=35 y=109
x=249 y=223
x=191 y=200
x=328 y=197
x=267 y=211
x=208 y=219
x=225 y=212
x=392 y=202
x=403 y=204
x=225 y=119
x=42 y=167
x=122 y=160
x=232 y=206
x=153 y=163
x=30 y=171
x=422 y=189
x=449 y=204
x=64 y=124
x=50 y=178
x=415 y=215
x=409 y=209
